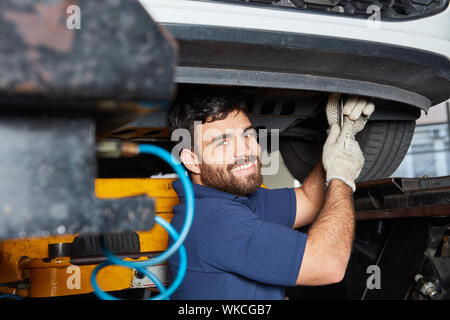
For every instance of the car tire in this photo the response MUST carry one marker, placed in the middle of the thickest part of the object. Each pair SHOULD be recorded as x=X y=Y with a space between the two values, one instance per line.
x=384 y=144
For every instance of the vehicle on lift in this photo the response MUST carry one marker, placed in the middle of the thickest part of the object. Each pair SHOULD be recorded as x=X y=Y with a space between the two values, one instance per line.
x=285 y=56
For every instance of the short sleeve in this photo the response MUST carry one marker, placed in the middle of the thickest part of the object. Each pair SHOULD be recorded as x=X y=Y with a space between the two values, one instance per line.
x=237 y=240
x=276 y=205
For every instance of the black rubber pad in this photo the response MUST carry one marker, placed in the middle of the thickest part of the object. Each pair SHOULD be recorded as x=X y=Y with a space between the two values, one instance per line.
x=117 y=242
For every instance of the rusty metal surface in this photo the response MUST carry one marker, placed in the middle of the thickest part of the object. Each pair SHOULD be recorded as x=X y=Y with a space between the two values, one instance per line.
x=414 y=212
x=118 y=52
x=402 y=198
x=47 y=184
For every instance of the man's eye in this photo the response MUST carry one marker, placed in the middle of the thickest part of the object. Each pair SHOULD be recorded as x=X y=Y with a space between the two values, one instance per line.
x=221 y=143
x=249 y=134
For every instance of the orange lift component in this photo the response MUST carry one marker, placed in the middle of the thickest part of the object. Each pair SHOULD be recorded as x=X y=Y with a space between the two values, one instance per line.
x=27 y=271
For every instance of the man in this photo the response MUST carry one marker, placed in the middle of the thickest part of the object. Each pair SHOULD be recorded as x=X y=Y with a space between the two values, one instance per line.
x=243 y=243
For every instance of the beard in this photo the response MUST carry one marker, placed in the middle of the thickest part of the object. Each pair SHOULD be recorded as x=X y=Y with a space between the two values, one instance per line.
x=224 y=180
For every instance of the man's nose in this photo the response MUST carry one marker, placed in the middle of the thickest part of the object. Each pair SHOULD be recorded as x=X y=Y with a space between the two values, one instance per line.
x=242 y=150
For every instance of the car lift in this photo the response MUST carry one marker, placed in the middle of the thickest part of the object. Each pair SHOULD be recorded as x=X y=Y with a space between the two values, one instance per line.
x=61 y=89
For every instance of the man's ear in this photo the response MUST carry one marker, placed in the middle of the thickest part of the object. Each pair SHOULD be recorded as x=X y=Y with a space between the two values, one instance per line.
x=190 y=161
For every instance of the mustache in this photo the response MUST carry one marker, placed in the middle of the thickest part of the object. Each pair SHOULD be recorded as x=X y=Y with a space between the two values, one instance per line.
x=241 y=161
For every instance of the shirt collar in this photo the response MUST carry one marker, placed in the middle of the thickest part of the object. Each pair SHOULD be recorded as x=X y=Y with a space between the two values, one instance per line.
x=201 y=191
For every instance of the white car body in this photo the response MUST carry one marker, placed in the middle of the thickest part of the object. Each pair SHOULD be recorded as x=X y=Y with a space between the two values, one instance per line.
x=428 y=34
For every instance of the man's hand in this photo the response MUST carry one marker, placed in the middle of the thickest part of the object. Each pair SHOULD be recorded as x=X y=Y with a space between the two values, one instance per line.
x=357 y=109
x=342 y=157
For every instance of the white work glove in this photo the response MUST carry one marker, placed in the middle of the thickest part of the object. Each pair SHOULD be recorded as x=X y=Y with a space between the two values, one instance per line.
x=342 y=157
x=356 y=108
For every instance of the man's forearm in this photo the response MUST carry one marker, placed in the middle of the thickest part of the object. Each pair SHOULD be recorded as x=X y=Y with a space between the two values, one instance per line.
x=330 y=238
x=314 y=186
x=333 y=229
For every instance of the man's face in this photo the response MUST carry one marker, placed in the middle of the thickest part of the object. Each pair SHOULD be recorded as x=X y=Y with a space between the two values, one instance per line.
x=230 y=152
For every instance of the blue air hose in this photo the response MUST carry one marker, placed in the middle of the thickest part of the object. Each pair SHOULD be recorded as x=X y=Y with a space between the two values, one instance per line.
x=10 y=296
x=176 y=246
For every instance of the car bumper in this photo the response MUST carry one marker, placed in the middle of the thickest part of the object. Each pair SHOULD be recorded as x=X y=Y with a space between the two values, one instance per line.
x=230 y=44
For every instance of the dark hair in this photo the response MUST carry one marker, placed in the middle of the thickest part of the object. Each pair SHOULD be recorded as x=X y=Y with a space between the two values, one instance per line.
x=204 y=108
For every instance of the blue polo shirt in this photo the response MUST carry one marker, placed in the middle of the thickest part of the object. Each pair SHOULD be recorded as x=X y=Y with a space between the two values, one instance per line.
x=238 y=247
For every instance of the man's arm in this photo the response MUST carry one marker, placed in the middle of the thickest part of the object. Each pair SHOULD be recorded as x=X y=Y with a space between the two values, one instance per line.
x=330 y=238
x=310 y=197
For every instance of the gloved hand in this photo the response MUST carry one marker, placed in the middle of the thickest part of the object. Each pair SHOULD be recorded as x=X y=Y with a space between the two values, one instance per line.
x=342 y=157
x=356 y=108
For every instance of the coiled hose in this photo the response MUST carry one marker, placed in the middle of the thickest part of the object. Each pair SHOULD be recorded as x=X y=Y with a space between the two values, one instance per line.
x=141 y=266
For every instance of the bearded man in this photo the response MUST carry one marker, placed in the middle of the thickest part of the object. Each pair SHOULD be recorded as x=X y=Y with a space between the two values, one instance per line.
x=243 y=243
